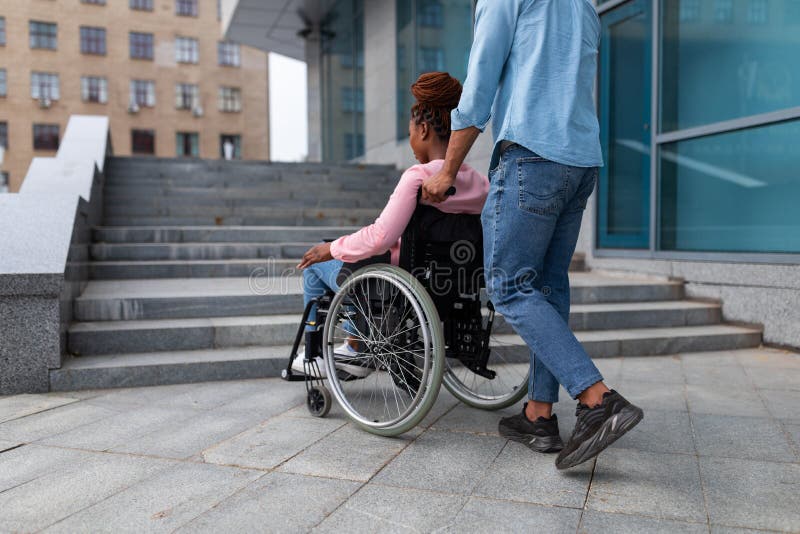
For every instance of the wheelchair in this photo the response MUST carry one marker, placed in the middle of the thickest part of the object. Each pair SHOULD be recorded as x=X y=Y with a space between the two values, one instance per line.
x=412 y=328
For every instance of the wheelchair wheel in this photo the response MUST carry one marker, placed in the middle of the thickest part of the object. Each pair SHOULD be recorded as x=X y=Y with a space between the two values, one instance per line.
x=318 y=401
x=509 y=359
x=399 y=355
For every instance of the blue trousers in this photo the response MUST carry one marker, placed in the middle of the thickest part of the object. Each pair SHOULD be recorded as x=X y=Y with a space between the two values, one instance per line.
x=531 y=222
x=317 y=280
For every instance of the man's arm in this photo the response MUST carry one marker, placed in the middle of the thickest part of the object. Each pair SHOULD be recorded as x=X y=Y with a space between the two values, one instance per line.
x=495 y=24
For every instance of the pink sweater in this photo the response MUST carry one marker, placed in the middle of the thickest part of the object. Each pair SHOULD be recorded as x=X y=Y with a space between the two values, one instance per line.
x=384 y=234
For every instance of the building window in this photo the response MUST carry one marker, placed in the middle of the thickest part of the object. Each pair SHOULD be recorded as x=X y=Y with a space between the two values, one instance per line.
x=45 y=86
x=94 y=89
x=230 y=146
x=45 y=136
x=141 y=5
x=187 y=50
x=229 y=54
x=757 y=12
x=43 y=35
x=143 y=93
x=141 y=45
x=186 y=8
x=230 y=99
x=431 y=14
x=93 y=40
x=96 y=2
x=143 y=141
x=4 y=180
x=353 y=99
x=4 y=134
x=689 y=11
x=187 y=95
x=431 y=59
x=353 y=145
x=2 y=31
x=3 y=83
x=187 y=144
x=723 y=11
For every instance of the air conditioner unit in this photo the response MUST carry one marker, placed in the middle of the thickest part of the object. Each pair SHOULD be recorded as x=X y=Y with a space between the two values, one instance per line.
x=45 y=102
x=197 y=111
x=133 y=107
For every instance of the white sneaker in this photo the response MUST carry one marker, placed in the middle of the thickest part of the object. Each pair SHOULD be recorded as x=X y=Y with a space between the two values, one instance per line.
x=345 y=357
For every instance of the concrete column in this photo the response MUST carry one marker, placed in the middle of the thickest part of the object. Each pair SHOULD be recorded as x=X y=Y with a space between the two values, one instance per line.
x=314 y=66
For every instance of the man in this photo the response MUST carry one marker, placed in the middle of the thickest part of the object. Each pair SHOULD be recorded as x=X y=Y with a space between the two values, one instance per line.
x=531 y=71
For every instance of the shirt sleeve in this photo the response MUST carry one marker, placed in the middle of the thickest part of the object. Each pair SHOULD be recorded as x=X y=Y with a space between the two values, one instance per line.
x=495 y=24
x=387 y=229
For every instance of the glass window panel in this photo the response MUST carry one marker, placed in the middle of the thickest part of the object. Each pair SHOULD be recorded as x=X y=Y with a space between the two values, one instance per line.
x=3 y=83
x=143 y=141
x=230 y=99
x=229 y=54
x=186 y=8
x=745 y=49
x=93 y=40
x=94 y=89
x=187 y=144
x=143 y=93
x=623 y=215
x=230 y=146
x=187 y=50
x=4 y=181
x=4 y=134
x=142 y=5
x=141 y=45
x=2 y=31
x=732 y=192
x=45 y=136
x=45 y=85
x=43 y=35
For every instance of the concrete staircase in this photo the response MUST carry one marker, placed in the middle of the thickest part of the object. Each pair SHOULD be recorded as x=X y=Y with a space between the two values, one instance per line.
x=193 y=279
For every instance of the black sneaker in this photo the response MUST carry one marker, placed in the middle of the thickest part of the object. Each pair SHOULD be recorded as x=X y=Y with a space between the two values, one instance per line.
x=597 y=428
x=540 y=435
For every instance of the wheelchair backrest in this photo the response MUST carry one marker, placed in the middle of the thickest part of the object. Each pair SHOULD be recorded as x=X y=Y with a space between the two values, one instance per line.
x=444 y=251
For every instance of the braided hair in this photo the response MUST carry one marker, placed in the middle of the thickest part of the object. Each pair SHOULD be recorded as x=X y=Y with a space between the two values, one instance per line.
x=437 y=94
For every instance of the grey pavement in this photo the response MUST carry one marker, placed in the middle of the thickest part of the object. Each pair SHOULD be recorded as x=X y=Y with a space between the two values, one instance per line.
x=717 y=451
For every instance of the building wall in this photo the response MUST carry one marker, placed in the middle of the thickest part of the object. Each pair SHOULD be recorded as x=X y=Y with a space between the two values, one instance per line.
x=21 y=111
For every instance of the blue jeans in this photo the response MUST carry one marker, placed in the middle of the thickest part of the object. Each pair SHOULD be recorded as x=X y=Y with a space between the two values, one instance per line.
x=531 y=221
x=317 y=280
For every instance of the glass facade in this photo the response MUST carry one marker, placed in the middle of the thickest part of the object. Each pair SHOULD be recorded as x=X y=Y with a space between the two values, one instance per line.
x=432 y=35
x=343 y=81
x=699 y=105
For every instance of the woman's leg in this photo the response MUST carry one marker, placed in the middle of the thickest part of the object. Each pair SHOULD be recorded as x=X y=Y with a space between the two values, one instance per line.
x=318 y=279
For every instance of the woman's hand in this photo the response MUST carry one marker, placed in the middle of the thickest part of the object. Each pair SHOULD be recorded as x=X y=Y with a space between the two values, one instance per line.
x=434 y=189
x=316 y=254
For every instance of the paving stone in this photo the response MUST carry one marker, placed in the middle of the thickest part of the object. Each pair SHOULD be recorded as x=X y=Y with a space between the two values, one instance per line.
x=463 y=418
x=17 y=406
x=8 y=445
x=349 y=453
x=190 y=436
x=654 y=395
x=769 y=358
x=69 y=486
x=376 y=508
x=664 y=486
x=660 y=431
x=722 y=400
x=275 y=396
x=452 y=462
x=782 y=404
x=732 y=374
x=751 y=493
x=520 y=474
x=29 y=462
x=491 y=517
x=757 y=438
x=53 y=422
x=794 y=432
x=610 y=368
x=271 y=443
x=716 y=529
x=593 y=521
x=767 y=378
x=278 y=502
x=105 y=434
x=649 y=369
x=161 y=503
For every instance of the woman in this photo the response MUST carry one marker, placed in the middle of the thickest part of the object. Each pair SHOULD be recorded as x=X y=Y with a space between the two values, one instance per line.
x=436 y=93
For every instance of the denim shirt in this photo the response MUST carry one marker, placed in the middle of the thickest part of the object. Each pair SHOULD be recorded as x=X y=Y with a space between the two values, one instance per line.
x=532 y=72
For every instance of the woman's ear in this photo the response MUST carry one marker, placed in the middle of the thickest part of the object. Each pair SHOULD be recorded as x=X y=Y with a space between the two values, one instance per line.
x=424 y=130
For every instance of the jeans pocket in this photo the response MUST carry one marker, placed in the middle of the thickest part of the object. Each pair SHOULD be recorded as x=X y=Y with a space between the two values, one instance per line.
x=542 y=185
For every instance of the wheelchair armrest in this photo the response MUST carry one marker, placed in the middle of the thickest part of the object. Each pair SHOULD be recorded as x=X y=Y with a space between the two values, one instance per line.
x=349 y=268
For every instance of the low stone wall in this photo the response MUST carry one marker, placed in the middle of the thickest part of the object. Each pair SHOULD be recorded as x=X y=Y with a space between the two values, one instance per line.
x=44 y=253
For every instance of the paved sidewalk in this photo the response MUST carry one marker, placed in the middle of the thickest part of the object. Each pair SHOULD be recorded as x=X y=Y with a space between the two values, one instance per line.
x=719 y=448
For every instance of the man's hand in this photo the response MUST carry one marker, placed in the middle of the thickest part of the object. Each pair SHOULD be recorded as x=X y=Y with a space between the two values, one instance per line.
x=434 y=189
x=316 y=254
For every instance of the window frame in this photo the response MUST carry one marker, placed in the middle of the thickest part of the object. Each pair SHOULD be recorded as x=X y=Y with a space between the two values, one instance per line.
x=145 y=89
x=54 y=132
x=3 y=82
x=141 y=41
x=140 y=5
x=194 y=142
x=2 y=31
x=180 y=95
x=229 y=54
x=186 y=8
x=53 y=85
x=187 y=50
x=88 y=90
x=4 y=134
x=152 y=143
x=41 y=40
x=228 y=95
x=93 y=40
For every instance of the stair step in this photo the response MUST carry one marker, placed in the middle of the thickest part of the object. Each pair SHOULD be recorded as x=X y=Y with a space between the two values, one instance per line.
x=261 y=295
x=276 y=217
x=111 y=337
x=196 y=251
x=218 y=234
x=236 y=268
x=161 y=368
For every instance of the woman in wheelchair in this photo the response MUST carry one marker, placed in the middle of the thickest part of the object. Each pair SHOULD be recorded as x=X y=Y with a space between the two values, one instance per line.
x=437 y=94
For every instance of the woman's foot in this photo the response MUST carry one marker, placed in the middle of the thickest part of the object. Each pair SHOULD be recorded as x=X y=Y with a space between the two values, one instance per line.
x=540 y=435
x=347 y=361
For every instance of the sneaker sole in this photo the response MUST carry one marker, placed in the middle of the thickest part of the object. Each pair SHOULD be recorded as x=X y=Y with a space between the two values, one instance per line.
x=613 y=429
x=537 y=443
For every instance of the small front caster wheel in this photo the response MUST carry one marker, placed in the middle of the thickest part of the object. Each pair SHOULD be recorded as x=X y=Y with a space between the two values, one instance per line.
x=318 y=401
